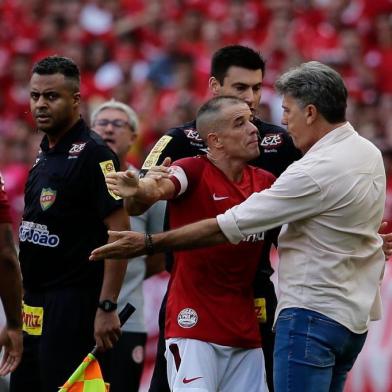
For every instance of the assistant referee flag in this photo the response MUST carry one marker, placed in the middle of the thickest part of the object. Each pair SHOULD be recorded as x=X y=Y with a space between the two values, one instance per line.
x=86 y=378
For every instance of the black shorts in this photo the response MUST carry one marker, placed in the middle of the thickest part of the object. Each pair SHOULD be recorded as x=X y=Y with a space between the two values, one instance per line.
x=67 y=337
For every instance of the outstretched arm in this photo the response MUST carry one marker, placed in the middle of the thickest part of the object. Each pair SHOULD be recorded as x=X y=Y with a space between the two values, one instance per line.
x=141 y=194
x=130 y=244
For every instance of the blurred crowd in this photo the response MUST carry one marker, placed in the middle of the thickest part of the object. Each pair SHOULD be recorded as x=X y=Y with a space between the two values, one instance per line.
x=154 y=55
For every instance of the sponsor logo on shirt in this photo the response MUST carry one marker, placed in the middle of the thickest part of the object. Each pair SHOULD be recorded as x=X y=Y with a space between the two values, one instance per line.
x=108 y=167
x=156 y=151
x=193 y=134
x=32 y=319
x=38 y=158
x=37 y=234
x=75 y=150
x=187 y=318
x=254 y=237
x=188 y=380
x=47 y=198
x=217 y=198
x=271 y=140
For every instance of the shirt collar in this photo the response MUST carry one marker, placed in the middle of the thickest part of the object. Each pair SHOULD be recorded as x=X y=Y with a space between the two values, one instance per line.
x=334 y=136
x=66 y=141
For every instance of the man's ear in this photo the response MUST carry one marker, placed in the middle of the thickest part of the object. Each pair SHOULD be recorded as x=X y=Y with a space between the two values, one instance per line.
x=76 y=97
x=214 y=85
x=311 y=113
x=213 y=140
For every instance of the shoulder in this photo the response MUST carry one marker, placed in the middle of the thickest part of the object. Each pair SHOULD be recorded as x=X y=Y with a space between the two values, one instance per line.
x=178 y=142
x=186 y=133
x=192 y=167
x=195 y=163
x=182 y=130
x=97 y=151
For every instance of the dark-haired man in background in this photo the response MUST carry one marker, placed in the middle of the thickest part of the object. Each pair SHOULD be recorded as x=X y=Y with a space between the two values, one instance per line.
x=67 y=300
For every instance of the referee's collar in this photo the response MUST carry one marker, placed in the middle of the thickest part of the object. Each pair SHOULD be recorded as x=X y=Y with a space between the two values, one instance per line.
x=66 y=141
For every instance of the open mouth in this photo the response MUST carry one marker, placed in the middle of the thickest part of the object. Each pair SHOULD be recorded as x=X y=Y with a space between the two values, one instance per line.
x=109 y=141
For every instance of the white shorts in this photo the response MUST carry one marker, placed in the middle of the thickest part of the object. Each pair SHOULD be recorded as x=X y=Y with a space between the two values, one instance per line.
x=197 y=366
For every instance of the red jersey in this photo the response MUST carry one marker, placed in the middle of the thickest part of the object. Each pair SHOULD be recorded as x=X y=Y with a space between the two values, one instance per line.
x=5 y=215
x=211 y=289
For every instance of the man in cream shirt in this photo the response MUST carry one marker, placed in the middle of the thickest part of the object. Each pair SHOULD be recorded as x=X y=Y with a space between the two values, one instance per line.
x=331 y=258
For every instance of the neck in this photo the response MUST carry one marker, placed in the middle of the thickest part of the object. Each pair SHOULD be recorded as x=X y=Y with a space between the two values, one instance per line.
x=55 y=138
x=326 y=127
x=232 y=168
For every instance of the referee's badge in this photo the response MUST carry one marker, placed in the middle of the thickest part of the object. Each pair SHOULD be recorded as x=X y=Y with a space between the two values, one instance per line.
x=47 y=198
x=187 y=318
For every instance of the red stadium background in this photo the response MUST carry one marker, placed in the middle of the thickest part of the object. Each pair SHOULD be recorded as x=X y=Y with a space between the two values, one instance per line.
x=155 y=55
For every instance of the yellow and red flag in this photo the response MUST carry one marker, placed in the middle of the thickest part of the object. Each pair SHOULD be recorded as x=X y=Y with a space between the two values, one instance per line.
x=86 y=378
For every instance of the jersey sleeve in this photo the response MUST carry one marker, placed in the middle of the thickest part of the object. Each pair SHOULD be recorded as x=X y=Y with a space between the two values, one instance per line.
x=173 y=145
x=102 y=161
x=5 y=213
x=185 y=174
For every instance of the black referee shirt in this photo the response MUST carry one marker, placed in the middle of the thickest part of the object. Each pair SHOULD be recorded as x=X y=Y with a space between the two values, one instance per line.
x=66 y=201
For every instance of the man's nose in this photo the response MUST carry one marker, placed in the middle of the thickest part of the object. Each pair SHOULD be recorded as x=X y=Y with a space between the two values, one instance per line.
x=41 y=101
x=109 y=129
x=249 y=97
x=252 y=128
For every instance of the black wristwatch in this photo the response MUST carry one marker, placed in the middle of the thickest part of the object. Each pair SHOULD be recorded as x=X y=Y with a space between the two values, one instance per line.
x=107 y=305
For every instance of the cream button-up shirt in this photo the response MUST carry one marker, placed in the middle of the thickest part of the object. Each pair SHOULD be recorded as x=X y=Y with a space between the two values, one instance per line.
x=331 y=202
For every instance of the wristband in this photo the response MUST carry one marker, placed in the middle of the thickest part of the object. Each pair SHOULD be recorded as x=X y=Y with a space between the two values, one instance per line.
x=148 y=244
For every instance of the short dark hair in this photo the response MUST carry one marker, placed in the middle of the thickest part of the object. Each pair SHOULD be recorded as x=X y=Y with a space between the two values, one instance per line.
x=208 y=114
x=56 y=64
x=314 y=83
x=235 y=55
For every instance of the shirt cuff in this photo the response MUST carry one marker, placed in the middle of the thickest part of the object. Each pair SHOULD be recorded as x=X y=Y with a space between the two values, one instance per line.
x=228 y=225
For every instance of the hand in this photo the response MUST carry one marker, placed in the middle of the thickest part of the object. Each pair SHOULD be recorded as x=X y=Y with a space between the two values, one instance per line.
x=387 y=241
x=126 y=244
x=123 y=184
x=12 y=341
x=106 y=329
x=159 y=172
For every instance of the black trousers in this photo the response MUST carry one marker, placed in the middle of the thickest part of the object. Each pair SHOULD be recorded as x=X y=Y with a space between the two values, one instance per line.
x=122 y=366
x=67 y=337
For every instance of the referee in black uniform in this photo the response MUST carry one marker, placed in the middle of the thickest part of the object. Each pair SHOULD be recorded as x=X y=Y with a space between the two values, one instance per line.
x=238 y=71
x=69 y=303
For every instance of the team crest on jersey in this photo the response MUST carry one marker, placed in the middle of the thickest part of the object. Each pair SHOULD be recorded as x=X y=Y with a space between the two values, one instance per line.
x=187 y=318
x=76 y=149
x=48 y=196
x=271 y=140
